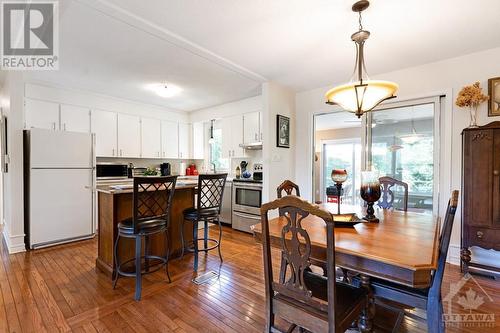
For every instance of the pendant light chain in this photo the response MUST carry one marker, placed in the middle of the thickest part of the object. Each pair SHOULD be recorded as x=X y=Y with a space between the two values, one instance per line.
x=360 y=22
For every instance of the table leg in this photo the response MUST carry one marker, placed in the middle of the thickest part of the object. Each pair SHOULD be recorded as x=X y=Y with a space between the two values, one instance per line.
x=366 y=318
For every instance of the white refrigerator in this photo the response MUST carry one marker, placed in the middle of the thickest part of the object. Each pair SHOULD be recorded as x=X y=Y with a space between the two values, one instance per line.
x=58 y=187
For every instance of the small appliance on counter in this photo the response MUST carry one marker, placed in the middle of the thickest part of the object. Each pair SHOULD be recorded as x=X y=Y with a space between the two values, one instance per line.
x=257 y=171
x=182 y=169
x=165 y=169
x=111 y=170
x=191 y=170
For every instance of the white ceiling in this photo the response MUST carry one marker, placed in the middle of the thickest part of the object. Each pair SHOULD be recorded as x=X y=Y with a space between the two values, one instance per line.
x=220 y=51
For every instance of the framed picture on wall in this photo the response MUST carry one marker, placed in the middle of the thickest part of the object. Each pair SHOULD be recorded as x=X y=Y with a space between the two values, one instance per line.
x=494 y=92
x=282 y=131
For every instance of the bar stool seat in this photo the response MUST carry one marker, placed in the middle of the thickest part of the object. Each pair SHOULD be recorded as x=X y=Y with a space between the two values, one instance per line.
x=149 y=227
x=192 y=214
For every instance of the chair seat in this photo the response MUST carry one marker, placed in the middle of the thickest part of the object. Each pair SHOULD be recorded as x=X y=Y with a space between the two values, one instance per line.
x=348 y=296
x=191 y=214
x=149 y=226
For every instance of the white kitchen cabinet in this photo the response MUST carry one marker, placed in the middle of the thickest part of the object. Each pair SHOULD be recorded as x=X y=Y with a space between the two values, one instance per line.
x=103 y=124
x=129 y=136
x=150 y=138
x=198 y=140
x=41 y=114
x=184 y=134
x=75 y=118
x=251 y=127
x=232 y=136
x=169 y=139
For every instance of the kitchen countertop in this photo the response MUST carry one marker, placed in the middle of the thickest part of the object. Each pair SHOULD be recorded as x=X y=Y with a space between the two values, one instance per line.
x=126 y=186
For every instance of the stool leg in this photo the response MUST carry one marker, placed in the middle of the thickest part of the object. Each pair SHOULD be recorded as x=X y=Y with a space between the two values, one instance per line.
x=167 y=244
x=138 y=276
x=205 y=231
x=147 y=251
x=117 y=263
x=195 y=244
x=182 y=239
x=220 y=238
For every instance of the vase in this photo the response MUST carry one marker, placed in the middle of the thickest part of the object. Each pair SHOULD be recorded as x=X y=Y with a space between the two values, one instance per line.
x=473 y=117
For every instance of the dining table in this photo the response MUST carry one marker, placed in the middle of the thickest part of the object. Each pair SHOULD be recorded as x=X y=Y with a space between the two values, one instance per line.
x=401 y=248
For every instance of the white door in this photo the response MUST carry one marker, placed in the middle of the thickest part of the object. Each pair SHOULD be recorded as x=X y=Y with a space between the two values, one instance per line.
x=184 y=134
x=41 y=114
x=129 y=136
x=75 y=118
x=103 y=124
x=251 y=127
x=169 y=139
x=151 y=137
x=60 y=205
x=198 y=140
x=237 y=136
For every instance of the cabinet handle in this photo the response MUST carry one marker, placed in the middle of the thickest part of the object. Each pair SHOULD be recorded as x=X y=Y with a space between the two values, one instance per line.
x=121 y=152
x=260 y=136
x=479 y=234
x=113 y=152
x=163 y=154
x=255 y=136
x=54 y=126
x=64 y=126
x=496 y=172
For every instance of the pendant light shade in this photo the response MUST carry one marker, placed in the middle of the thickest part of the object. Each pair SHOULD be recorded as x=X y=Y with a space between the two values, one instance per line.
x=361 y=94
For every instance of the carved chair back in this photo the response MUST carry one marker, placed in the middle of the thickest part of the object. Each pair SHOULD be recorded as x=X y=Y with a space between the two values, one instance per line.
x=296 y=255
x=288 y=186
x=210 y=191
x=152 y=199
x=388 y=185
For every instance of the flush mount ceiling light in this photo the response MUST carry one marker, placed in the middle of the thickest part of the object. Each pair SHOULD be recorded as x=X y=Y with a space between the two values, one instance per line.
x=361 y=94
x=164 y=89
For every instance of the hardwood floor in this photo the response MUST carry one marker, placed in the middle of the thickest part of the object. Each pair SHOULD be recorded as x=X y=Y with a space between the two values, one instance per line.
x=58 y=289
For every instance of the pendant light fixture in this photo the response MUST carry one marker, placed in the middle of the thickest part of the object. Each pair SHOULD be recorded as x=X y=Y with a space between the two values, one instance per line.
x=361 y=94
x=211 y=140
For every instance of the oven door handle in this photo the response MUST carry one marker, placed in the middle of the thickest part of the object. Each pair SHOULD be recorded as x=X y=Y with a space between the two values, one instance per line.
x=247 y=216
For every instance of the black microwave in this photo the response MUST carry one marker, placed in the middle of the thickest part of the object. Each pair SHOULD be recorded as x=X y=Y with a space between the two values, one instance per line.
x=111 y=170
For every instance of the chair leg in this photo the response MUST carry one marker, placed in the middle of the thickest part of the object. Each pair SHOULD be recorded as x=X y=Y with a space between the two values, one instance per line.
x=195 y=245
x=138 y=276
x=117 y=263
x=167 y=245
x=220 y=238
x=435 y=316
x=182 y=239
x=205 y=234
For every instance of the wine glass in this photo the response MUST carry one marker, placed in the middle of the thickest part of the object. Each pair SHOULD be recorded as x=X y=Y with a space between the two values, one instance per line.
x=370 y=192
x=339 y=176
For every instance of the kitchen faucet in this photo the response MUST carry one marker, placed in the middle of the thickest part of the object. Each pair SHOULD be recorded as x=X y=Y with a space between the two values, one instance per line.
x=213 y=165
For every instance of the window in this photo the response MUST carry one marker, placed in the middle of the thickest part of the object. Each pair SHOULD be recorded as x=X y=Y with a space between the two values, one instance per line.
x=221 y=163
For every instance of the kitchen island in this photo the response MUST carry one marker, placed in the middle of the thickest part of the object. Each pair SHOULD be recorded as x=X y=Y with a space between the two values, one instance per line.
x=115 y=205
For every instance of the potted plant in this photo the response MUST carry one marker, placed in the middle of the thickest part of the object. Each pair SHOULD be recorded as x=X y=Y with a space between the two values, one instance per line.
x=471 y=96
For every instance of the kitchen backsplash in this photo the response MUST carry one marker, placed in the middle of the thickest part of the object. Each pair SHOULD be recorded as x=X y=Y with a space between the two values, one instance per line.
x=147 y=163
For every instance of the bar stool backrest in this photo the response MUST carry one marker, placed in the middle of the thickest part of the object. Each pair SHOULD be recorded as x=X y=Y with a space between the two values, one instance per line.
x=152 y=198
x=210 y=191
x=288 y=186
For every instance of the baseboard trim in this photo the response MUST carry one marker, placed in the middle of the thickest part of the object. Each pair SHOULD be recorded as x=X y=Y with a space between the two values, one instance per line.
x=454 y=254
x=14 y=243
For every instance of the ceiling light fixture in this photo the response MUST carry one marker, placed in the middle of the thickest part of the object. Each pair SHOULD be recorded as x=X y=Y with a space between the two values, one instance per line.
x=361 y=94
x=164 y=90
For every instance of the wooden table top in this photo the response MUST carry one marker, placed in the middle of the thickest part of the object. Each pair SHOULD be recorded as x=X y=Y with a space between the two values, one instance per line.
x=403 y=240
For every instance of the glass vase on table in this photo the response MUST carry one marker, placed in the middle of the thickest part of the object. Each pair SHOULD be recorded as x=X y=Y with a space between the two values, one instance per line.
x=370 y=192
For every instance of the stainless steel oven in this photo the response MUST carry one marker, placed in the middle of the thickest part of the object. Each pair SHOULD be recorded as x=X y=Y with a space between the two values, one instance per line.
x=247 y=199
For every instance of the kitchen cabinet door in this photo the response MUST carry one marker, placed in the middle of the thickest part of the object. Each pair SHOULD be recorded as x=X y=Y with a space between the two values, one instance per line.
x=184 y=134
x=198 y=140
x=169 y=139
x=226 y=147
x=251 y=128
x=151 y=138
x=103 y=124
x=129 y=136
x=41 y=114
x=75 y=118
x=237 y=136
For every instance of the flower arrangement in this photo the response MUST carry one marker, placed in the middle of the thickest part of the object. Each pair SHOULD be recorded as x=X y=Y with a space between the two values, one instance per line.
x=471 y=96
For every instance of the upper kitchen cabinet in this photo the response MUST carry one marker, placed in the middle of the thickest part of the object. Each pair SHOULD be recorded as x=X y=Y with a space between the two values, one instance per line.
x=232 y=136
x=251 y=127
x=103 y=124
x=129 y=136
x=184 y=134
x=198 y=140
x=75 y=119
x=41 y=114
x=169 y=139
x=151 y=138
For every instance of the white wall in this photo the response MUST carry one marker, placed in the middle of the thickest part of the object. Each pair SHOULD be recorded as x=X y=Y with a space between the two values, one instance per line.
x=279 y=163
x=444 y=77
x=246 y=105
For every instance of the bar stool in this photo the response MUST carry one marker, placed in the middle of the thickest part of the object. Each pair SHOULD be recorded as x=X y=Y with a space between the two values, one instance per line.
x=209 y=202
x=152 y=200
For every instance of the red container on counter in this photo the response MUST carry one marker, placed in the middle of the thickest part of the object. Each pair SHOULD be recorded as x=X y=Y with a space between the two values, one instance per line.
x=189 y=171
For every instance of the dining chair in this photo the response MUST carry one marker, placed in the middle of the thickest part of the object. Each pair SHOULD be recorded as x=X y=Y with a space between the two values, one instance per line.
x=387 y=199
x=288 y=186
x=152 y=202
x=304 y=299
x=428 y=299
x=208 y=208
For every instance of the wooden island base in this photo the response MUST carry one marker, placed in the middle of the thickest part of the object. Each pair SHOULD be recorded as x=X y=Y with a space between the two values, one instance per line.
x=115 y=206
